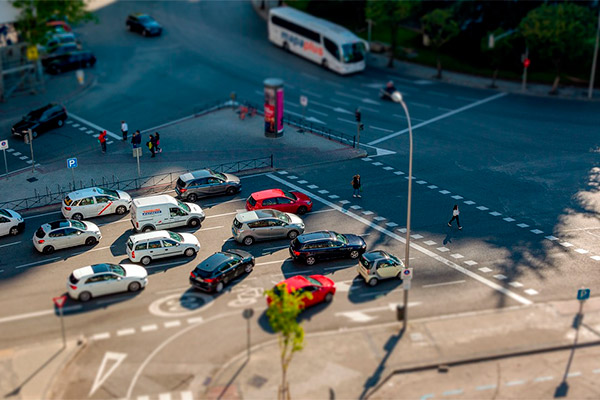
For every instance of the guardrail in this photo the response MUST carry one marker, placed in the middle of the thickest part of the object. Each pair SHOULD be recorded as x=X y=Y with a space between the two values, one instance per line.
x=144 y=185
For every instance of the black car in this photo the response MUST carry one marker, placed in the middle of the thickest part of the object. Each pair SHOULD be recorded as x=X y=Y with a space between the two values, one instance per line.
x=144 y=24
x=71 y=61
x=59 y=51
x=212 y=274
x=311 y=247
x=41 y=120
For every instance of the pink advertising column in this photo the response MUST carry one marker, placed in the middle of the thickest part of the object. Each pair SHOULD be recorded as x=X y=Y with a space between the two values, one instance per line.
x=273 y=107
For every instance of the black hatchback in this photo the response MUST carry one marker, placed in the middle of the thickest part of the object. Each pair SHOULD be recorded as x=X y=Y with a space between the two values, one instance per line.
x=71 y=61
x=212 y=274
x=41 y=120
x=314 y=246
x=144 y=24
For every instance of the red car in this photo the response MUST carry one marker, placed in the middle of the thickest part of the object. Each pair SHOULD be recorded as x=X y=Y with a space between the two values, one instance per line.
x=321 y=287
x=282 y=200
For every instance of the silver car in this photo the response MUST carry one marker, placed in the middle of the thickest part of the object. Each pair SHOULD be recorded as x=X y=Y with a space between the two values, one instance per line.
x=65 y=233
x=205 y=182
x=265 y=224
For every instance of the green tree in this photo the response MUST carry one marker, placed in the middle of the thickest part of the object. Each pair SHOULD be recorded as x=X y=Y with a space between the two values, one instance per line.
x=502 y=48
x=557 y=32
x=31 y=23
x=439 y=27
x=390 y=13
x=283 y=311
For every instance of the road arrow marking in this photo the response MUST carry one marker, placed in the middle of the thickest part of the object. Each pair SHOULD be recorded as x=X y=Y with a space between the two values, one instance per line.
x=369 y=101
x=341 y=110
x=313 y=119
x=100 y=378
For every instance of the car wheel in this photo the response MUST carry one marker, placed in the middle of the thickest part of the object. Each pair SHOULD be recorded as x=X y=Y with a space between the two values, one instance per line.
x=373 y=282
x=14 y=231
x=146 y=260
x=194 y=222
x=285 y=46
x=219 y=287
x=324 y=64
x=231 y=191
x=48 y=250
x=189 y=252
x=91 y=241
x=310 y=260
x=249 y=268
x=192 y=197
x=134 y=286
x=301 y=210
x=248 y=240
x=34 y=134
x=85 y=296
x=77 y=216
x=60 y=123
x=292 y=235
x=328 y=297
x=121 y=210
x=354 y=254
x=148 y=228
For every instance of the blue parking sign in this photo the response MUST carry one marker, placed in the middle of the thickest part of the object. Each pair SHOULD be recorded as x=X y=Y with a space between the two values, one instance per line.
x=72 y=162
x=583 y=294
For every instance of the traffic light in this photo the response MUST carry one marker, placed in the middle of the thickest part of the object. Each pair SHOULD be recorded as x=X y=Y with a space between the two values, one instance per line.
x=526 y=62
x=357 y=114
x=361 y=126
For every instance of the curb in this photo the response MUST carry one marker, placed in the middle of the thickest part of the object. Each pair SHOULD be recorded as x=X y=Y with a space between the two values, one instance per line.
x=81 y=344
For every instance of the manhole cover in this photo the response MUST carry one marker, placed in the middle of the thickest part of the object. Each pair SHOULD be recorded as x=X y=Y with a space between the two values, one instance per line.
x=257 y=381
x=32 y=179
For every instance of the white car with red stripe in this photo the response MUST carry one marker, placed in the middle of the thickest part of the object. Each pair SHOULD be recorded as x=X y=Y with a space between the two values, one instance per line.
x=95 y=202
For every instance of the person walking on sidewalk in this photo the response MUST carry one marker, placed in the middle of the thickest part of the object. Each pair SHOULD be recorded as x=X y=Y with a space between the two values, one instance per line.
x=124 y=130
x=136 y=139
x=151 y=145
x=102 y=140
x=157 y=140
x=356 y=185
x=455 y=214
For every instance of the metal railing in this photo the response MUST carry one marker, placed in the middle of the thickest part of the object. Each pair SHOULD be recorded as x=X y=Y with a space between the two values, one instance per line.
x=144 y=185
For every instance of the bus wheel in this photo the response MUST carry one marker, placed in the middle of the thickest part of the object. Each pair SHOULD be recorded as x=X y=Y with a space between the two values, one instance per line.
x=286 y=47
x=324 y=64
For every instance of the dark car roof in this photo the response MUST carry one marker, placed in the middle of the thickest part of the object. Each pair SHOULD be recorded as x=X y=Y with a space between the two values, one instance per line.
x=38 y=112
x=375 y=255
x=315 y=236
x=215 y=261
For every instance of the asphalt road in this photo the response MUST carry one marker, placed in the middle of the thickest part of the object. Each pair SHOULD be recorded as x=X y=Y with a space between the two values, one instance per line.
x=522 y=170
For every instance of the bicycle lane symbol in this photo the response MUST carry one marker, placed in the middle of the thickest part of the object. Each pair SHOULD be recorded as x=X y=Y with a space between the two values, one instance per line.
x=181 y=305
x=246 y=296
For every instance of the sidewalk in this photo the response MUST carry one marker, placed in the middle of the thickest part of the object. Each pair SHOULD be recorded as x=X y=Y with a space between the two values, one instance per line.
x=353 y=363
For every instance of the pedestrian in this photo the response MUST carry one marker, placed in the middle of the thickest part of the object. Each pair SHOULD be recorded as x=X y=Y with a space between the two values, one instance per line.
x=150 y=143
x=356 y=185
x=157 y=140
x=102 y=140
x=124 y=129
x=455 y=214
x=136 y=139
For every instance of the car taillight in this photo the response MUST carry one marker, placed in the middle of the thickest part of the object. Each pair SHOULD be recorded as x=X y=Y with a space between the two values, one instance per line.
x=137 y=224
x=192 y=274
x=296 y=253
x=73 y=287
x=133 y=254
x=68 y=208
x=209 y=280
x=182 y=190
x=40 y=241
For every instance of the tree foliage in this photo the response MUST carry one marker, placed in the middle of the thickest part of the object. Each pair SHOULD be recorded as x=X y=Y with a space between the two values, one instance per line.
x=390 y=13
x=282 y=313
x=502 y=49
x=31 y=23
x=556 y=32
x=439 y=27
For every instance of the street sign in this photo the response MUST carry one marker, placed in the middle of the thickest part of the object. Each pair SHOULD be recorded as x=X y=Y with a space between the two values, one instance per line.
x=3 y=144
x=303 y=101
x=32 y=53
x=406 y=284
x=59 y=301
x=248 y=313
x=137 y=152
x=407 y=273
x=583 y=294
x=72 y=162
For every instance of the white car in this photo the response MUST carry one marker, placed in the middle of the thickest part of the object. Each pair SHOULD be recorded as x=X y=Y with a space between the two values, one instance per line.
x=149 y=246
x=11 y=223
x=65 y=233
x=95 y=202
x=102 y=279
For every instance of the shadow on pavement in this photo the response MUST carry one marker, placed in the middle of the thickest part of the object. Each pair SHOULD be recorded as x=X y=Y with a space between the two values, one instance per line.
x=361 y=292
x=74 y=307
x=16 y=391
x=374 y=379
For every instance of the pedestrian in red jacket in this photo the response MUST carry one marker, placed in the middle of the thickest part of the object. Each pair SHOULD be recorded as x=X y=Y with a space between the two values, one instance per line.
x=102 y=140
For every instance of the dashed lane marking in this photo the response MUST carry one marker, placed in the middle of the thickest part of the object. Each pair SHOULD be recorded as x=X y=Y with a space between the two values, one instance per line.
x=149 y=328
x=485 y=269
x=522 y=225
x=101 y=336
x=126 y=332
x=92 y=125
x=444 y=284
x=509 y=219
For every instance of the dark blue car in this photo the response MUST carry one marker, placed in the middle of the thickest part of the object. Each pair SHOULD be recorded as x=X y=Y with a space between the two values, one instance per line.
x=144 y=24
x=212 y=274
x=314 y=246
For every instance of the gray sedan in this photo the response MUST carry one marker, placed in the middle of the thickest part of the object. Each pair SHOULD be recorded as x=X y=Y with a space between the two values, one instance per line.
x=265 y=224
x=206 y=182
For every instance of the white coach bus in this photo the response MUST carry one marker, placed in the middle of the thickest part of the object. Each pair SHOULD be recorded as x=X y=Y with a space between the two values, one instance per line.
x=320 y=41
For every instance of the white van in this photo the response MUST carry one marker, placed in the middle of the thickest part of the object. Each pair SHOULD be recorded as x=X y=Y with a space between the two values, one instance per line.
x=162 y=212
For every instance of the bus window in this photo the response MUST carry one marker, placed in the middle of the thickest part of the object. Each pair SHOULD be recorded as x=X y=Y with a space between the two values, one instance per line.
x=353 y=52
x=332 y=48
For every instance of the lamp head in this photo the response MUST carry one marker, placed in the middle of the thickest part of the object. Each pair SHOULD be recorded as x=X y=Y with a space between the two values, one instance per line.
x=397 y=97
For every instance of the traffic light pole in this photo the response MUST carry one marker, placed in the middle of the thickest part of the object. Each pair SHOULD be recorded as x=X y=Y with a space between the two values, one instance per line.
x=30 y=136
x=357 y=115
x=525 y=65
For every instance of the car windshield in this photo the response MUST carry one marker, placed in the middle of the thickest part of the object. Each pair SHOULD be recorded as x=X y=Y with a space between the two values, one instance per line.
x=183 y=206
x=341 y=238
x=353 y=52
x=313 y=281
x=289 y=195
x=78 y=225
x=144 y=19
x=108 y=192
x=5 y=213
x=176 y=236
x=395 y=259
x=251 y=201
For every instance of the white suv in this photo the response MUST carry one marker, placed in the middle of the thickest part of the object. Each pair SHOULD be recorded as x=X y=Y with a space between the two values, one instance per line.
x=11 y=223
x=94 y=202
x=149 y=246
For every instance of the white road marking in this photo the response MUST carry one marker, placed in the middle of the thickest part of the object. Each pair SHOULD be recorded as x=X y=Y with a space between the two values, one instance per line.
x=430 y=242
x=187 y=395
x=443 y=249
x=322 y=211
x=551 y=237
x=443 y=284
x=470 y=263
x=126 y=332
x=347 y=120
x=582 y=251
x=221 y=215
x=228 y=201
x=195 y=320
x=211 y=228
x=148 y=328
x=523 y=225
x=509 y=219
x=172 y=324
x=515 y=383
x=164 y=396
x=531 y=292
x=38 y=314
x=500 y=277
x=319 y=113
x=444 y=191
x=101 y=336
x=9 y=244
x=47 y=260
x=43 y=215
x=271 y=262
x=380 y=129
x=516 y=284
x=543 y=379
x=485 y=269
x=417 y=247
x=109 y=133
x=446 y=115
x=101 y=377
x=486 y=387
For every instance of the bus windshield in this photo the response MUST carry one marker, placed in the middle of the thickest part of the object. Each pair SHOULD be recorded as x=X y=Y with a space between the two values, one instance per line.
x=353 y=52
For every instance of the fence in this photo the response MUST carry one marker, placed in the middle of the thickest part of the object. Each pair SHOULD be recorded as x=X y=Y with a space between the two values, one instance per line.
x=146 y=185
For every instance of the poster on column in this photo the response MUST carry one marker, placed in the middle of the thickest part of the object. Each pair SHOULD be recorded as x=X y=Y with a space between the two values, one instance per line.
x=280 y=110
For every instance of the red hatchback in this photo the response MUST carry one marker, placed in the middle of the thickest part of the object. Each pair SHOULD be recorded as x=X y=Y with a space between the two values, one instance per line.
x=282 y=200
x=321 y=287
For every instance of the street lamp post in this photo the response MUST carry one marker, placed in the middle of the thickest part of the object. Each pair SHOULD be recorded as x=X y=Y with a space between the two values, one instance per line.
x=398 y=97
